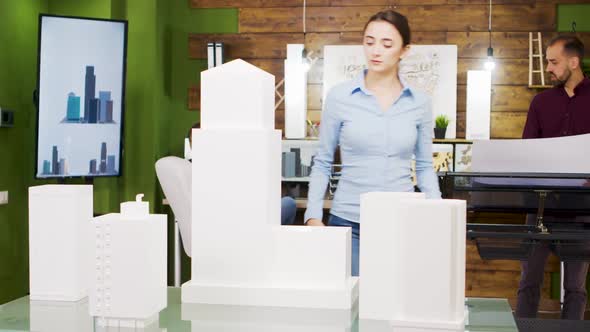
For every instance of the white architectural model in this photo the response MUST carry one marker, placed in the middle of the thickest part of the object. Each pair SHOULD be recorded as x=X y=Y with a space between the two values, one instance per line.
x=240 y=253
x=412 y=260
x=59 y=241
x=129 y=281
x=479 y=104
x=295 y=93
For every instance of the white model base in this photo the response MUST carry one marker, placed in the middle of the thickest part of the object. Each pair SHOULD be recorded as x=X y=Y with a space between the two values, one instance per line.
x=127 y=322
x=395 y=326
x=271 y=296
x=229 y=318
x=374 y=325
x=48 y=316
x=428 y=325
x=418 y=325
x=58 y=297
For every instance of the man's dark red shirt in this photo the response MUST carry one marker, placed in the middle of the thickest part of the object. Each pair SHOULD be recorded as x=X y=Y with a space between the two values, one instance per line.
x=553 y=113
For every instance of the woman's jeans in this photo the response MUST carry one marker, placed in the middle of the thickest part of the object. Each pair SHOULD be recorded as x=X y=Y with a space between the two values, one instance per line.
x=339 y=222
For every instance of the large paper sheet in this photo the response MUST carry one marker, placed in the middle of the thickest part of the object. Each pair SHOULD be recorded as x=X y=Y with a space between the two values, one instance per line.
x=542 y=155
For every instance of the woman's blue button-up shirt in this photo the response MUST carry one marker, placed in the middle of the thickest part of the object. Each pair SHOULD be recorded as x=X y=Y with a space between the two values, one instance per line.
x=376 y=147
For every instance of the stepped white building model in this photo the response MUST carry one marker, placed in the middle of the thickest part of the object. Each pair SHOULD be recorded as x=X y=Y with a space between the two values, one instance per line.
x=241 y=255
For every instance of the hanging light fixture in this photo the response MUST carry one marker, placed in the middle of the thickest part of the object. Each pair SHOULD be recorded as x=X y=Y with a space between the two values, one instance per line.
x=490 y=64
x=307 y=60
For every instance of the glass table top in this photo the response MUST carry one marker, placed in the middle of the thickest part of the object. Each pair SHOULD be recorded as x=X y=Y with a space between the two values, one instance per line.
x=52 y=316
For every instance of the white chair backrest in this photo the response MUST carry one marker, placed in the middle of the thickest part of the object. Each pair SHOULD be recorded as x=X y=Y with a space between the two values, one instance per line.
x=175 y=176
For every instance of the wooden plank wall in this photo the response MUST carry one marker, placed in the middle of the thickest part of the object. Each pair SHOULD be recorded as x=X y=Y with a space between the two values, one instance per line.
x=499 y=278
x=266 y=26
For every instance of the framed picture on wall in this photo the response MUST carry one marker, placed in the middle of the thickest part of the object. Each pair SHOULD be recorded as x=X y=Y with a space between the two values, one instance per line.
x=429 y=68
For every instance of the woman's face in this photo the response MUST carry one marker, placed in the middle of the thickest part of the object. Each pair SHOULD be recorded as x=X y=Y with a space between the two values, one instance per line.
x=383 y=46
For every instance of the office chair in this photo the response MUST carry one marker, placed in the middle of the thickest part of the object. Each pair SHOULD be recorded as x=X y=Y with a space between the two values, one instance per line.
x=175 y=176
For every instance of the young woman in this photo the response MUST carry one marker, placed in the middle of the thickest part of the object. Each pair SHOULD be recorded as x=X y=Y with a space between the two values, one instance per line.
x=380 y=124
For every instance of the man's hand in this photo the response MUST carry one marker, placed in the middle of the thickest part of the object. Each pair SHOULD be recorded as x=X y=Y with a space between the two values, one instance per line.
x=314 y=222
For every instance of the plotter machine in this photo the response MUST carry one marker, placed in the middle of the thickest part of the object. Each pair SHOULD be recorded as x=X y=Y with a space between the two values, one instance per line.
x=560 y=202
x=548 y=178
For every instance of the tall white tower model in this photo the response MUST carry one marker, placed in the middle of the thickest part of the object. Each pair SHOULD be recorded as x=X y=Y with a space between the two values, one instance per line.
x=241 y=254
x=60 y=247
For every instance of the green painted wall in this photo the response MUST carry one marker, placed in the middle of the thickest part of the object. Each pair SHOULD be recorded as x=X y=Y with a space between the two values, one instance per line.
x=92 y=8
x=18 y=71
x=566 y=14
x=183 y=71
x=579 y=13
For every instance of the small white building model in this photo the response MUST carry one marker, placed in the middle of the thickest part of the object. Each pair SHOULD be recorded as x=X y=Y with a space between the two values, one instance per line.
x=129 y=281
x=59 y=241
x=412 y=260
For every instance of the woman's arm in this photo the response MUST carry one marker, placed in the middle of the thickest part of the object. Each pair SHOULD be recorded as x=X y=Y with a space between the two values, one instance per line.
x=426 y=177
x=322 y=163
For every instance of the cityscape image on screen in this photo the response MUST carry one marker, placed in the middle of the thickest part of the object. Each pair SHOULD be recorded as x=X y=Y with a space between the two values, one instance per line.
x=96 y=110
x=103 y=165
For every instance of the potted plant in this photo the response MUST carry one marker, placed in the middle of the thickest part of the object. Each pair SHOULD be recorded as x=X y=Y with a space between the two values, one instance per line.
x=441 y=122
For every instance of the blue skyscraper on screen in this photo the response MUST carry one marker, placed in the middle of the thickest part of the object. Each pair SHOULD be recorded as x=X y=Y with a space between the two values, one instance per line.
x=111 y=164
x=46 y=167
x=73 y=110
x=89 y=91
x=104 y=97
x=54 y=161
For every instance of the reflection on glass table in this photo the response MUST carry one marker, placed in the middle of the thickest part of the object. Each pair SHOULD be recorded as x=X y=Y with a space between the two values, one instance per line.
x=49 y=316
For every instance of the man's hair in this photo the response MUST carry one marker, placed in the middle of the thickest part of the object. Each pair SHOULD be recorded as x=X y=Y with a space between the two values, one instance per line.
x=572 y=45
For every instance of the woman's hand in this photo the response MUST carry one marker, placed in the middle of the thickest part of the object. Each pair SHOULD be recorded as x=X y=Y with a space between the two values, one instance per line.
x=314 y=222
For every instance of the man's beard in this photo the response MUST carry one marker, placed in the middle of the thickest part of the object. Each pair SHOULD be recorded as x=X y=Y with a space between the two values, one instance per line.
x=557 y=81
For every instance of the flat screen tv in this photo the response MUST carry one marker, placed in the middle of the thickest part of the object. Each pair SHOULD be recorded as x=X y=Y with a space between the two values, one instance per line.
x=81 y=93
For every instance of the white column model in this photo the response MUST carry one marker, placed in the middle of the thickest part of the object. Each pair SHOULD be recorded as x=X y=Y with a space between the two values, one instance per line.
x=240 y=253
x=412 y=260
x=129 y=266
x=59 y=241
x=295 y=93
x=479 y=104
